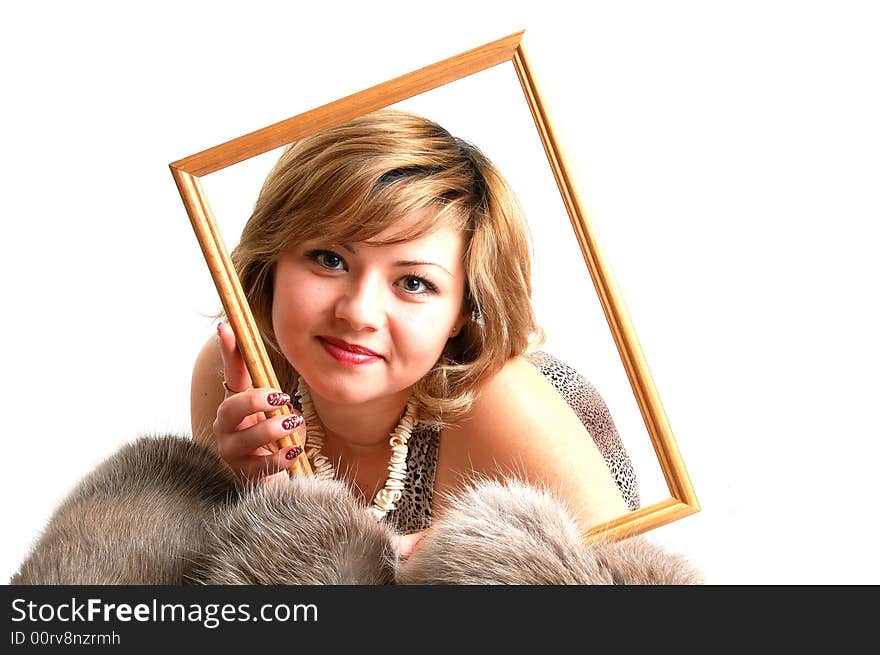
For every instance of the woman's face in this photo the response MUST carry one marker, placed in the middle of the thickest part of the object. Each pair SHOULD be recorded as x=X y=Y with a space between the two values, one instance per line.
x=362 y=322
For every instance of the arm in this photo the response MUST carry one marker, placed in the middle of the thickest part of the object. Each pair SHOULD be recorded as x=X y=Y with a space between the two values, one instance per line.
x=206 y=392
x=521 y=426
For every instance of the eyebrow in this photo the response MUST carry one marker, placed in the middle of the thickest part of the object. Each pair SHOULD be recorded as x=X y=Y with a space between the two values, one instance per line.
x=403 y=262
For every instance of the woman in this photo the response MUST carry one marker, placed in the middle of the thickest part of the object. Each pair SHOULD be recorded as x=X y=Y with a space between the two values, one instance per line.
x=387 y=267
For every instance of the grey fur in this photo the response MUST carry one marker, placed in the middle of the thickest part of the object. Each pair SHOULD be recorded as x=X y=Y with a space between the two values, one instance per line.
x=512 y=533
x=302 y=531
x=637 y=561
x=165 y=510
x=138 y=518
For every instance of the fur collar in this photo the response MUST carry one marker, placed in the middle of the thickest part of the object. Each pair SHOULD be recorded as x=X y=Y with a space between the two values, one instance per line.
x=165 y=510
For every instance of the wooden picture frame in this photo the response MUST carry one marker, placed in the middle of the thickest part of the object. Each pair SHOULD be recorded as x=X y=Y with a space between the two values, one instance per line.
x=188 y=171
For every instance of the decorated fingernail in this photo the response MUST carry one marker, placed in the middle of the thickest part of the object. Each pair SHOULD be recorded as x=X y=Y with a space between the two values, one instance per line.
x=294 y=452
x=291 y=422
x=276 y=399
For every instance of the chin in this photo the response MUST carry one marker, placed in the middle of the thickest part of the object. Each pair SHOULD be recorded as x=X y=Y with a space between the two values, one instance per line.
x=342 y=386
x=343 y=390
x=344 y=394
x=352 y=385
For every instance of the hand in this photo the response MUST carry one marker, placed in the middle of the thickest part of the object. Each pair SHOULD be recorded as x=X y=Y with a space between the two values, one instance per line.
x=245 y=437
x=406 y=543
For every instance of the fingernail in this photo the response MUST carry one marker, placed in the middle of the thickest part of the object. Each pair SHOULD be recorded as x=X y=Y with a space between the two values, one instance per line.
x=291 y=422
x=275 y=399
x=294 y=452
x=218 y=328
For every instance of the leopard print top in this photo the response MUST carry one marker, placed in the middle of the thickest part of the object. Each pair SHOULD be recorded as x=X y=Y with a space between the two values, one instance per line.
x=413 y=511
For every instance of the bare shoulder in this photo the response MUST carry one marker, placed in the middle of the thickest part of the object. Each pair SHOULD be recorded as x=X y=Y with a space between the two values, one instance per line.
x=519 y=391
x=514 y=412
x=206 y=390
x=520 y=425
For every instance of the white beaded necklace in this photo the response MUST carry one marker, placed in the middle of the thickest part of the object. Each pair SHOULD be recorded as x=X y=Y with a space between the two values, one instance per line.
x=386 y=497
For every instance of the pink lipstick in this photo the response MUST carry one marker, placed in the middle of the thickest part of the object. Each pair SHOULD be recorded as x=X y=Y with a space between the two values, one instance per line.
x=348 y=354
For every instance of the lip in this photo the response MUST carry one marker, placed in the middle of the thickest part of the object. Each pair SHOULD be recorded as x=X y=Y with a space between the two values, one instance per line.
x=348 y=353
x=351 y=347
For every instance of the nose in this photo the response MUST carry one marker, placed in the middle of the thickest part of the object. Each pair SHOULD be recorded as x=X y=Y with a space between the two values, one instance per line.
x=362 y=303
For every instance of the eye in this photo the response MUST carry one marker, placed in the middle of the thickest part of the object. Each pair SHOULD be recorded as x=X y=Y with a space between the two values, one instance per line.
x=416 y=285
x=327 y=259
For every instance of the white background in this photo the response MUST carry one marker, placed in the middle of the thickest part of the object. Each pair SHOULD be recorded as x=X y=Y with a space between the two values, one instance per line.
x=729 y=154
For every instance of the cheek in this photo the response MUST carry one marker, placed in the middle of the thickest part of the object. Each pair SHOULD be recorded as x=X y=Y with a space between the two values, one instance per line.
x=295 y=305
x=422 y=332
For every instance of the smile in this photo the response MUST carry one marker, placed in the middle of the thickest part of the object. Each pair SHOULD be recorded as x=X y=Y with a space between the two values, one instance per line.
x=346 y=354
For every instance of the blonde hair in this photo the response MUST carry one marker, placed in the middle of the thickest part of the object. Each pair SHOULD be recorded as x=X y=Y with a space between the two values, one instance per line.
x=350 y=183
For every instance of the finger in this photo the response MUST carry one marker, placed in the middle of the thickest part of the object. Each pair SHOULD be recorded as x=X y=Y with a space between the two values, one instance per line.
x=238 y=444
x=270 y=468
x=235 y=371
x=233 y=411
x=285 y=457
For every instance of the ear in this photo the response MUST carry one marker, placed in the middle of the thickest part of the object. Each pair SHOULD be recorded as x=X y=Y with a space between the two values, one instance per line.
x=456 y=328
